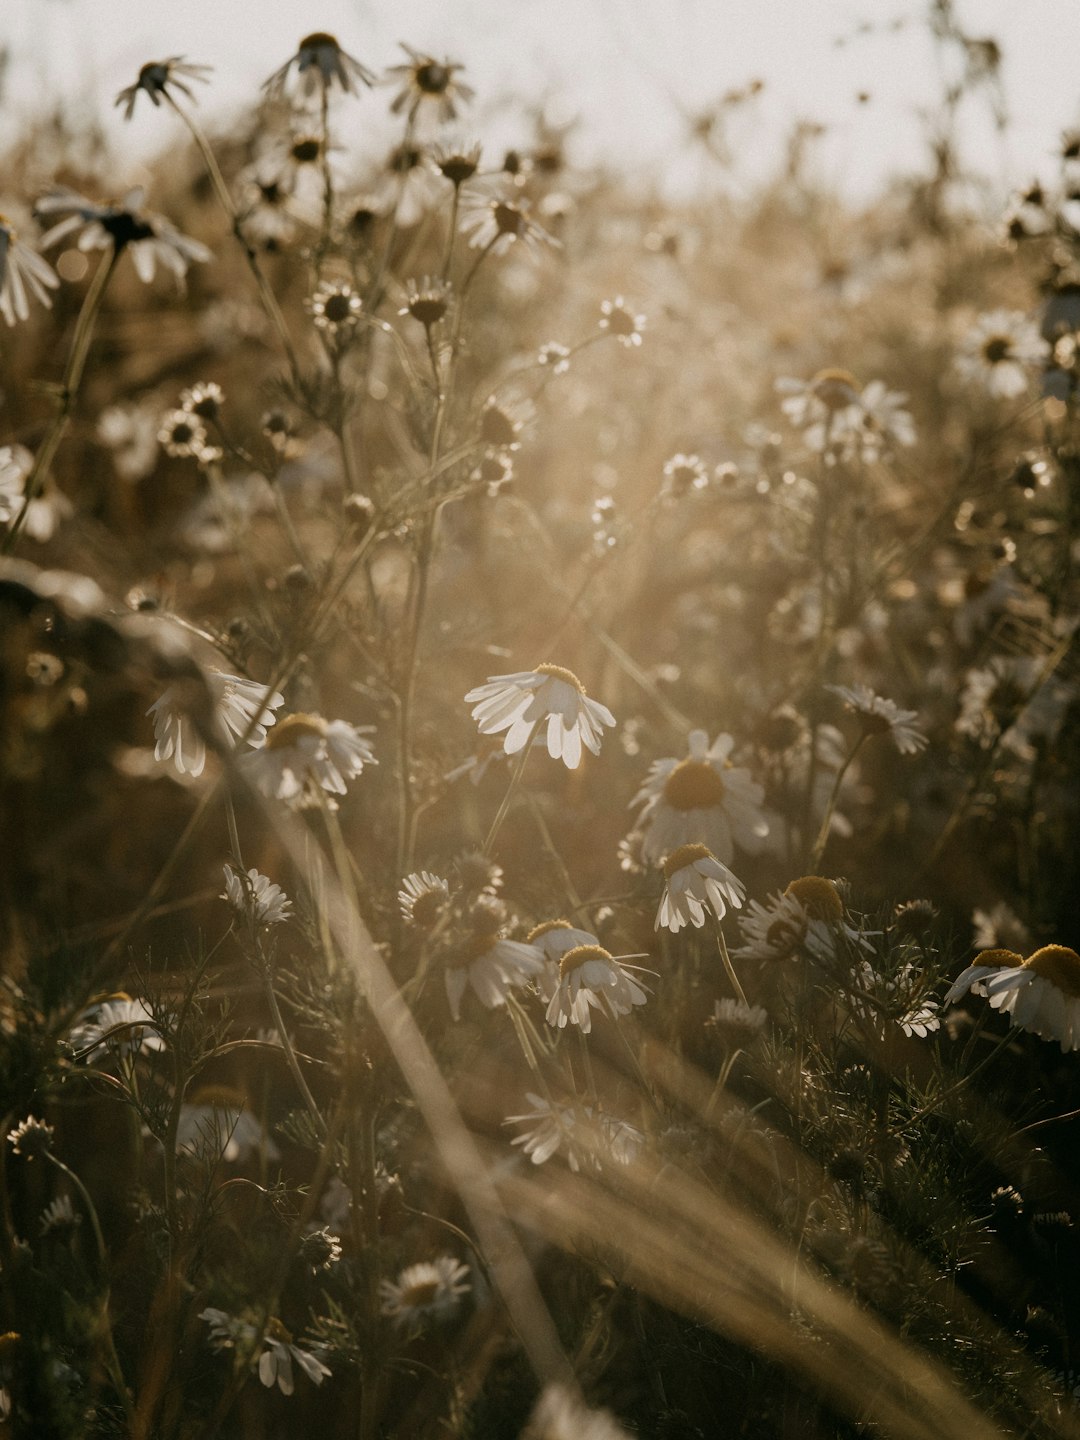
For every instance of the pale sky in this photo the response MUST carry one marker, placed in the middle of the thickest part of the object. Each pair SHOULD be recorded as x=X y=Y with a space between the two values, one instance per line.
x=625 y=67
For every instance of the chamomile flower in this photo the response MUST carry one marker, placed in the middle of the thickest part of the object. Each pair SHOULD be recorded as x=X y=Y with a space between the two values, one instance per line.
x=425 y=80
x=22 y=269
x=827 y=409
x=238 y=707
x=426 y=301
x=496 y=222
x=59 y=1217
x=1000 y=351
x=553 y=938
x=335 y=307
x=808 y=918
x=694 y=883
x=616 y=318
x=216 y=1125
x=590 y=977
x=1040 y=994
x=683 y=473
x=519 y=702
x=149 y=238
x=182 y=434
x=700 y=800
x=12 y=475
x=319 y=62
x=491 y=966
x=272 y=1352
x=560 y=1415
x=885 y=423
x=204 y=400
x=738 y=1019
x=503 y=420
x=31 y=1138
x=306 y=753
x=256 y=898
x=120 y=1024
x=422 y=899
x=554 y=357
x=879 y=716
x=549 y=1128
x=430 y=1290
x=456 y=160
x=157 y=78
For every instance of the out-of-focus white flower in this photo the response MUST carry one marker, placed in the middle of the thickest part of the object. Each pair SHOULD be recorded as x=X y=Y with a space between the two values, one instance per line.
x=518 y=702
x=885 y=422
x=879 y=716
x=156 y=79
x=497 y=221
x=320 y=61
x=560 y=1415
x=700 y=800
x=272 y=1352
x=13 y=473
x=306 y=753
x=149 y=238
x=256 y=898
x=585 y=1135
x=695 y=882
x=591 y=977
x=738 y=1017
x=59 y=1215
x=616 y=318
x=430 y=1290
x=217 y=1125
x=120 y=1023
x=425 y=80
x=1000 y=351
x=683 y=473
x=999 y=926
x=807 y=918
x=130 y=433
x=21 y=268
x=1040 y=994
x=554 y=357
x=239 y=707
x=335 y=307
x=491 y=966
x=422 y=898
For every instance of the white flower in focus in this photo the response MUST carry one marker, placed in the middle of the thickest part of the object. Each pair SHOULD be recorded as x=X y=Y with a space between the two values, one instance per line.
x=553 y=938
x=999 y=351
x=123 y=1024
x=619 y=320
x=431 y=1290
x=149 y=238
x=305 y=754
x=695 y=881
x=239 y=707
x=879 y=716
x=519 y=702
x=272 y=1353
x=256 y=898
x=591 y=977
x=21 y=268
x=701 y=800
x=1040 y=994
x=560 y=1415
x=492 y=967
x=156 y=78
x=422 y=897
x=319 y=62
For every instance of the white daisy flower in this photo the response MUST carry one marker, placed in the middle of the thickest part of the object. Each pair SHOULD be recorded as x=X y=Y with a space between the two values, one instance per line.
x=149 y=238
x=999 y=351
x=427 y=80
x=920 y=1017
x=1040 y=994
x=683 y=473
x=156 y=78
x=22 y=268
x=256 y=898
x=695 y=881
x=554 y=357
x=518 y=702
x=885 y=422
x=422 y=897
x=431 y=1290
x=879 y=716
x=120 y=1023
x=491 y=966
x=130 y=433
x=306 y=753
x=584 y=1135
x=999 y=926
x=553 y=938
x=217 y=1125
x=59 y=1215
x=319 y=61
x=13 y=472
x=738 y=1017
x=274 y=1360
x=619 y=320
x=239 y=707
x=560 y=1415
x=700 y=800
x=335 y=307
x=827 y=409
x=808 y=917
x=497 y=221
x=591 y=977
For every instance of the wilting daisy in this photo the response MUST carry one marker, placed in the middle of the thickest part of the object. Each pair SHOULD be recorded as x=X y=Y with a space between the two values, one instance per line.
x=431 y=1290
x=517 y=703
x=320 y=61
x=495 y=222
x=695 y=882
x=239 y=707
x=272 y=1351
x=120 y=1023
x=879 y=716
x=999 y=351
x=256 y=898
x=422 y=899
x=492 y=967
x=702 y=800
x=1040 y=994
x=617 y=319
x=553 y=938
x=427 y=80
x=808 y=917
x=21 y=268
x=149 y=238
x=156 y=79
x=591 y=977
x=306 y=753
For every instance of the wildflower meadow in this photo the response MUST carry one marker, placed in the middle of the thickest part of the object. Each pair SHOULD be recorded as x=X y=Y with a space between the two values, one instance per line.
x=539 y=730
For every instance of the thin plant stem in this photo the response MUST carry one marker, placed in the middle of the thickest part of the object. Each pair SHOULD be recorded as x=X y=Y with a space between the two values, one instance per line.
x=822 y=840
x=728 y=966
x=519 y=767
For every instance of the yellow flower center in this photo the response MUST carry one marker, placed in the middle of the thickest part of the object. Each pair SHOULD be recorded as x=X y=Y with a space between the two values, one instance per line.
x=1059 y=965
x=275 y=1330
x=544 y=928
x=422 y=1293
x=686 y=855
x=319 y=40
x=581 y=955
x=818 y=897
x=694 y=785
x=786 y=934
x=998 y=956
x=558 y=673
x=293 y=728
x=426 y=908
x=473 y=949
x=836 y=389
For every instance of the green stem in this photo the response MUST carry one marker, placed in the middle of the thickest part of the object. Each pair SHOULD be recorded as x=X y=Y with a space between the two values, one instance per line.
x=519 y=767
x=728 y=966
x=834 y=795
